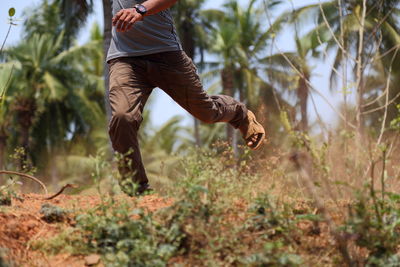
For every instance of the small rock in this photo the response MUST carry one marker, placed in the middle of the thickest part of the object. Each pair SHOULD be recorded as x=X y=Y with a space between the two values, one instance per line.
x=92 y=260
x=52 y=213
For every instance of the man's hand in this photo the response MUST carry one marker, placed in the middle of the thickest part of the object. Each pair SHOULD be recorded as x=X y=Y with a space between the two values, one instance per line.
x=125 y=18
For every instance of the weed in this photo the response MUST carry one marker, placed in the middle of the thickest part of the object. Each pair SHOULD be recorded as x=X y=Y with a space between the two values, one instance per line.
x=273 y=254
x=20 y=159
x=193 y=226
x=395 y=123
x=125 y=241
x=8 y=191
x=71 y=240
x=376 y=227
x=270 y=216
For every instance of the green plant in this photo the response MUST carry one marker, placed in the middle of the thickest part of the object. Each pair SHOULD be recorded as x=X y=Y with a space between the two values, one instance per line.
x=193 y=226
x=20 y=158
x=70 y=240
x=270 y=216
x=395 y=123
x=127 y=237
x=376 y=228
x=374 y=220
x=8 y=191
x=273 y=254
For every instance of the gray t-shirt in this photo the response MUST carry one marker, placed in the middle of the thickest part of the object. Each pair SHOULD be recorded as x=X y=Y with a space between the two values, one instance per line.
x=155 y=34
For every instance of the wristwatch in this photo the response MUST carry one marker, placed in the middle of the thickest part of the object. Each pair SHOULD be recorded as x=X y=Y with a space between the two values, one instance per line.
x=141 y=9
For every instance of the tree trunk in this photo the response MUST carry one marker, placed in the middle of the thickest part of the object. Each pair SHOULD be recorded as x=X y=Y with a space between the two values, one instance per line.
x=26 y=109
x=189 y=46
x=228 y=89
x=3 y=143
x=302 y=94
x=360 y=72
x=107 y=15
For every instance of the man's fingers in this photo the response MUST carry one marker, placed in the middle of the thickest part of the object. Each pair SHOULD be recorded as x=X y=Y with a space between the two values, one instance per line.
x=124 y=19
x=131 y=22
x=127 y=21
x=117 y=16
x=121 y=20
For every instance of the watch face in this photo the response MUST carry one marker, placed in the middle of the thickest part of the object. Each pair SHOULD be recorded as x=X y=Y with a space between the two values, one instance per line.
x=141 y=9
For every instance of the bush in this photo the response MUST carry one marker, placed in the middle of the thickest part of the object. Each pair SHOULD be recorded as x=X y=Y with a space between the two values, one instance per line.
x=129 y=238
x=375 y=226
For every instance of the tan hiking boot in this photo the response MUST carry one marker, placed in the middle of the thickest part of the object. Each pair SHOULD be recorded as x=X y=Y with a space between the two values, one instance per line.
x=253 y=132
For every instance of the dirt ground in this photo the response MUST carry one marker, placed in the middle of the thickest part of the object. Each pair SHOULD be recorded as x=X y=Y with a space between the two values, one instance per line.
x=21 y=223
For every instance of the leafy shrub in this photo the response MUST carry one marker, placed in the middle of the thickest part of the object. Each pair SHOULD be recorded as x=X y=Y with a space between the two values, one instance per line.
x=196 y=227
x=269 y=216
x=376 y=227
x=395 y=123
x=126 y=241
x=7 y=192
x=273 y=254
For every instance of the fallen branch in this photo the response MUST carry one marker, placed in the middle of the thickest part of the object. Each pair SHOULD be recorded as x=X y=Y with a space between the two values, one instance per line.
x=26 y=176
x=61 y=190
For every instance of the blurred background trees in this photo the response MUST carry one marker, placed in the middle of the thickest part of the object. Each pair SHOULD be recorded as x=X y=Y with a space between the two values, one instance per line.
x=53 y=100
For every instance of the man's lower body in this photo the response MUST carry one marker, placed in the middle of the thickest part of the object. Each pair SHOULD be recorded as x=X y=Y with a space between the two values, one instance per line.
x=132 y=80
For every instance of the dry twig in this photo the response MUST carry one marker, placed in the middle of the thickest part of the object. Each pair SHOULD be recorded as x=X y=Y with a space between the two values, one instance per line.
x=26 y=176
x=60 y=191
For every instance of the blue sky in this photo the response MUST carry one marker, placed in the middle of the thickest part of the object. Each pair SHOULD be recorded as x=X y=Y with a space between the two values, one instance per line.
x=162 y=106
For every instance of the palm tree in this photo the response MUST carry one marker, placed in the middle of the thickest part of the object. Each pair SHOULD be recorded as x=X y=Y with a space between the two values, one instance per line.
x=75 y=162
x=81 y=9
x=226 y=46
x=291 y=70
x=358 y=33
x=74 y=14
x=191 y=24
x=5 y=116
x=69 y=17
x=240 y=40
x=50 y=100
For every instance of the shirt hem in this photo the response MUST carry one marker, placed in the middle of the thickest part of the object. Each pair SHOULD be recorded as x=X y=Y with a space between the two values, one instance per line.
x=142 y=53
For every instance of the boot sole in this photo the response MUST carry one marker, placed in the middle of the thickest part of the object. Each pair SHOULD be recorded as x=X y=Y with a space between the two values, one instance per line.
x=260 y=135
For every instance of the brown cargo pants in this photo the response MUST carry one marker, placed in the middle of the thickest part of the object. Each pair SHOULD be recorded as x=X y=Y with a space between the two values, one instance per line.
x=132 y=79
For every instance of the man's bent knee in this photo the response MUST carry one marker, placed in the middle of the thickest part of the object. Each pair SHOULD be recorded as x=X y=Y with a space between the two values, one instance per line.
x=125 y=119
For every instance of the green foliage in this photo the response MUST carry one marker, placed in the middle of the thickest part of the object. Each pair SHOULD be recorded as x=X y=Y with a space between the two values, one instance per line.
x=126 y=240
x=395 y=123
x=8 y=192
x=52 y=93
x=271 y=217
x=193 y=225
x=273 y=254
x=52 y=104
x=69 y=240
x=375 y=226
x=20 y=159
x=57 y=17
x=54 y=100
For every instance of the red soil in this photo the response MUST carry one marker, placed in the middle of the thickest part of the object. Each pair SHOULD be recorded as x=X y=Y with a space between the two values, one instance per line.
x=21 y=223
